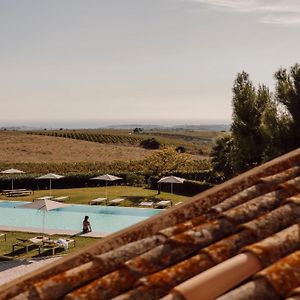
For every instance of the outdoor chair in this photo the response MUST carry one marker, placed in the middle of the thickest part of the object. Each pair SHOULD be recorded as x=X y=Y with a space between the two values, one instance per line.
x=44 y=198
x=146 y=204
x=27 y=243
x=16 y=192
x=53 y=245
x=163 y=204
x=61 y=198
x=97 y=201
x=115 y=201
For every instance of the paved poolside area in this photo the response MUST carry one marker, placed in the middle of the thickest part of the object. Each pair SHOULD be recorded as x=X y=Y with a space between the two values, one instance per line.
x=9 y=270
x=53 y=231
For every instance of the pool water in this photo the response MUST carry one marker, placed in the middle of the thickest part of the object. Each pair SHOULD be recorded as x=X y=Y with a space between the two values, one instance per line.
x=105 y=219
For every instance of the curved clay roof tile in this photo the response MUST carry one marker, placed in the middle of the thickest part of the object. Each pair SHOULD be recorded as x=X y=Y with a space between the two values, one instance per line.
x=276 y=246
x=284 y=275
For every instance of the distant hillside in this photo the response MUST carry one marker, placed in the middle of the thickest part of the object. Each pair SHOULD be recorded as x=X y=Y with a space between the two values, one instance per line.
x=193 y=141
x=212 y=127
x=19 y=147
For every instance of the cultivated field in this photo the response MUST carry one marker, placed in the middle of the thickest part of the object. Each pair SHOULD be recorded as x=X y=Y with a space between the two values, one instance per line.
x=19 y=147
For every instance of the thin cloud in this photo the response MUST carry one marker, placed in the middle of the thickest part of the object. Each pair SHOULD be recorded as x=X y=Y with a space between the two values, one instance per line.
x=281 y=20
x=282 y=12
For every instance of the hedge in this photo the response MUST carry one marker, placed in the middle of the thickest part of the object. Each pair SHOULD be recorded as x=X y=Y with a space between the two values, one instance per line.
x=72 y=180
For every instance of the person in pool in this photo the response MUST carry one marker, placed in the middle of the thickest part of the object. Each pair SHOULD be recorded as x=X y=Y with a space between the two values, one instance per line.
x=86 y=226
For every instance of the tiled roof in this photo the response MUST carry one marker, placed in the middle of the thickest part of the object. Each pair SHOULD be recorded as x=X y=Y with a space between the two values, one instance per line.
x=257 y=212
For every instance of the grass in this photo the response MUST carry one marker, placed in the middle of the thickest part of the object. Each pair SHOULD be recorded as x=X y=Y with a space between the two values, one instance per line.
x=132 y=195
x=20 y=253
x=19 y=147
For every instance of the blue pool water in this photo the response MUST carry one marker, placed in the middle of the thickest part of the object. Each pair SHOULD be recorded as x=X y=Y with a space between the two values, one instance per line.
x=105 y=219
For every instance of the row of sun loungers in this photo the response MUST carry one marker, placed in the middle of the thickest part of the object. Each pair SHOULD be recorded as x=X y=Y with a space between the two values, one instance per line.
x=16 y=192
x=58 y=199
x=104 y=200
x=43 y=244
x=160 y=204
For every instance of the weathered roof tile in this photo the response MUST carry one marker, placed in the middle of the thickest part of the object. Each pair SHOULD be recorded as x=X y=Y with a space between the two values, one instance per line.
x=257 y=211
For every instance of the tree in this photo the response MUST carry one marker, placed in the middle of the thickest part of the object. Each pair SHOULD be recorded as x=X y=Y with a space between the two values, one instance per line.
x=221 y=155
x=150 y=144
x=248 y=106
x=288 y=95
x=264 y=125
x=137 y=130
x=181 y=149
x=166 y=161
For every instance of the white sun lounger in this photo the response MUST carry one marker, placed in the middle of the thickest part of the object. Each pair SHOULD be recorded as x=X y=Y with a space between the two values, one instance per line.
x=61 y=198
x=44 y=198
x=146 y=204
x=163 y=203
x=52 y=245
x=97 y=201
x=116 y=201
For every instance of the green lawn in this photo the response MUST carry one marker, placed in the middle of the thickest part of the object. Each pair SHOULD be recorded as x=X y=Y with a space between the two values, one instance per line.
x=132 y=195
x=20 y=253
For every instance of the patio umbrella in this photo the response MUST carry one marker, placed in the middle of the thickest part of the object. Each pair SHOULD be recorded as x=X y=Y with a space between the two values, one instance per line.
x=172 y=180
x=43 y=205
x=12 y=171
x=107 y=178
x=50 y=176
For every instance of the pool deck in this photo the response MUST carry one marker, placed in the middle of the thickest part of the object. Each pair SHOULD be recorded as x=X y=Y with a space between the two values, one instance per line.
x=54 y=231
x=10 y=270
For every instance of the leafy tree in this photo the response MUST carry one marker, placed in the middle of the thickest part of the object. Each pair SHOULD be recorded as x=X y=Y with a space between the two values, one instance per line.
x=166 y=161
x=138 y=130
x=264 y=125
x=288 y=95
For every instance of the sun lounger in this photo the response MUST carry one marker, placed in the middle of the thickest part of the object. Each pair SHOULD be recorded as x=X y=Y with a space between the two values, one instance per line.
x=26 y=243
x=163 y=203
x=16 y=192
x=3 y=235
x=44 y=198
x=53 y=245
x=146 y=204
x=61 y=198
x=97 y=201
x=116 y=201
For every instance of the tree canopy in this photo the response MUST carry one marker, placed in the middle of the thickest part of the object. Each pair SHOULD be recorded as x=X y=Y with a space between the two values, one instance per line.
x=264 y=125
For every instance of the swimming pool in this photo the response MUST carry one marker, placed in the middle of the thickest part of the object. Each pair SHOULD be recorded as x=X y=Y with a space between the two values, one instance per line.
x=104 y=219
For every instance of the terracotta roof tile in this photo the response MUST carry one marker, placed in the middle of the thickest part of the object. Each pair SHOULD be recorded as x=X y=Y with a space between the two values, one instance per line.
x=258 y=212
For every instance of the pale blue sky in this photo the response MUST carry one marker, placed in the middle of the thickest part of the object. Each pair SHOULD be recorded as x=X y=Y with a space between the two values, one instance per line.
x=128 y=61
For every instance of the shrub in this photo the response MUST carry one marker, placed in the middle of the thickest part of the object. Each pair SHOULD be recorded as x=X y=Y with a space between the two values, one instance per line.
x=150 y=144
